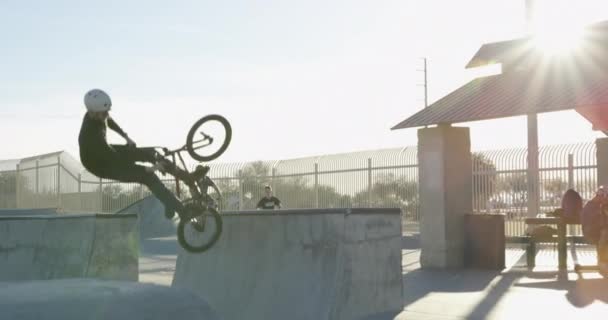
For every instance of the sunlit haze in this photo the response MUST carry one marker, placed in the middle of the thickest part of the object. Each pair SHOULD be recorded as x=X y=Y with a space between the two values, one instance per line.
x=295 y=78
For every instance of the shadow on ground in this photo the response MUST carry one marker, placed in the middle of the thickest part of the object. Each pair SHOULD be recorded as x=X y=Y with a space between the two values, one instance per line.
x=580 y=292
x=420 y=283
x=410 y=241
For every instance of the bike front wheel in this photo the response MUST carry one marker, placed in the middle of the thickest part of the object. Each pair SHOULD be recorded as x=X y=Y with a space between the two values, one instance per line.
x=201 y=232
x=209 y=137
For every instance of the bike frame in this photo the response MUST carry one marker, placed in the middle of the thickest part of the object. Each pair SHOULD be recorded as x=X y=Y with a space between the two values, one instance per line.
x=172 y=155
x=178 y=152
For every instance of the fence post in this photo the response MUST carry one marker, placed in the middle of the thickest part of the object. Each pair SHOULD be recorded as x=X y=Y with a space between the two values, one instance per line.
x=570 y=171
x=58 y=181
x=100 y=196
x=37 y=194
x=273 y=173
x=80 y=190
x=316 y=185
x=17 y=187
x=240 y=190
x=571 y=186
x=369 y=182
x=37 y=177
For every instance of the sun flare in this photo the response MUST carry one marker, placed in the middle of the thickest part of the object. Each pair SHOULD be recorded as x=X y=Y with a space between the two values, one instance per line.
x=558 y=40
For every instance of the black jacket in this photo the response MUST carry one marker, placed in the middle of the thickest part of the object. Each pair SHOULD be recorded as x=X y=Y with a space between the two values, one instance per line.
x=96 y=154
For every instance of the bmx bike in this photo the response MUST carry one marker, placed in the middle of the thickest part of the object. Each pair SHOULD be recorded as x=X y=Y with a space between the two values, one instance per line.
x=201 y=226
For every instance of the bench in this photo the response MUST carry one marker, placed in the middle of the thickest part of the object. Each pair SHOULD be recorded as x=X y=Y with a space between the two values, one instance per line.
x=561 y=239
x=531 y=246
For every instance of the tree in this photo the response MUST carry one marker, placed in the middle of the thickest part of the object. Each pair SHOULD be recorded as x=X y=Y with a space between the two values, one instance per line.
x=294 y=191
x=252 y=179
x=390 y=191
x=8 y=189
x=484 y=179
x=115 y=196
x=301 y=192
x=555 y=188
x=516 y=185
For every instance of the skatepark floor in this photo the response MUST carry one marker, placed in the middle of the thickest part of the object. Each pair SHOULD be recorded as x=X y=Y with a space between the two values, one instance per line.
x=514 y=293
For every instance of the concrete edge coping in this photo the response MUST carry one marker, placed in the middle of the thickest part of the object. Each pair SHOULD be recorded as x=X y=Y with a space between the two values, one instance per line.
x=29 y=209
x=279 y=212
x=70 y=216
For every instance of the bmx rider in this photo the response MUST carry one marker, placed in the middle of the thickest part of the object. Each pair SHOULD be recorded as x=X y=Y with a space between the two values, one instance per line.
x=118 y=162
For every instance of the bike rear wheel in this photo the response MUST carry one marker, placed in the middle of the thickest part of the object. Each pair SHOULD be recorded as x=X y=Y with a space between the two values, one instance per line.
x=196 y=235
x=216 y=127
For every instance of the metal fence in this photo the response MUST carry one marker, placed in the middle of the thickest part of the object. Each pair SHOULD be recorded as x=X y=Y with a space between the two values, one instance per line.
x=56 y=180
x=500 y=180
x=8 y=189
x=381 y=178
x=378 y=178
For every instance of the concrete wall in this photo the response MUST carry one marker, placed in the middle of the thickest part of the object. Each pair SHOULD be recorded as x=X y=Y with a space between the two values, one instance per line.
x=75 y=246
x=300 y=264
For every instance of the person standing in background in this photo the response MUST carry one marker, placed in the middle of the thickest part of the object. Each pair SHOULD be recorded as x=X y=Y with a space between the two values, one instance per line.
x=269 y=201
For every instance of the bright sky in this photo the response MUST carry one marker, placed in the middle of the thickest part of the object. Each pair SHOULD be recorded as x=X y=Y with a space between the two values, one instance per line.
x=295 y=78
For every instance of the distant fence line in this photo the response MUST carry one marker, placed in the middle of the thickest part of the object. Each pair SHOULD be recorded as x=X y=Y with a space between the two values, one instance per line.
x=378 y=178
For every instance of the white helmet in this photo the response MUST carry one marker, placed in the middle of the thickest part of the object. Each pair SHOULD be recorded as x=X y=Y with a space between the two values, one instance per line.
x=97 y=101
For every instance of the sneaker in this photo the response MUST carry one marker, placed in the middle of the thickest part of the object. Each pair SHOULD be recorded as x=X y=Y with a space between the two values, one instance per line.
x=200 y=172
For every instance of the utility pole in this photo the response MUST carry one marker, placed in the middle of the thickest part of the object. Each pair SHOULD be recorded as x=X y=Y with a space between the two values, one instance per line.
x=425 y=84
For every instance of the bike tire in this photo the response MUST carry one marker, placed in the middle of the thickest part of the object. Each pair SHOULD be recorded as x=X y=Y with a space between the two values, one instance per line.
x=189 y=140
x=181 y=237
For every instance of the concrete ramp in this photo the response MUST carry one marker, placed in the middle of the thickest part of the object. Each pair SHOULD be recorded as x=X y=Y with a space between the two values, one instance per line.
x=300 y=264
x=87 y=299
x=74 y=246
x=152 y=221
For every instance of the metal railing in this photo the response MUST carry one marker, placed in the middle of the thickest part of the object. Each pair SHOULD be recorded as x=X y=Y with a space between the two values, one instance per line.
x=500 y=184
x=378 y=178
x=382 y=178
x=8 y=189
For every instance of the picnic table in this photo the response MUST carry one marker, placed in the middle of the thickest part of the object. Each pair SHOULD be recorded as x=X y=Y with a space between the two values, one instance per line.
x=562 y=243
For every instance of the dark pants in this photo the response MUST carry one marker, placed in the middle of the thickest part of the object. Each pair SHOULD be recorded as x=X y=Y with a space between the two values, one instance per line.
x=129 y=171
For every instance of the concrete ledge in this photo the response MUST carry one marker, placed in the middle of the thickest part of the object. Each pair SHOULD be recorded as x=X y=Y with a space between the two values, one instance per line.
x=37 y=211
x=300 y=264
x=66 y=217
x=341 y=211
x=75 y=246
